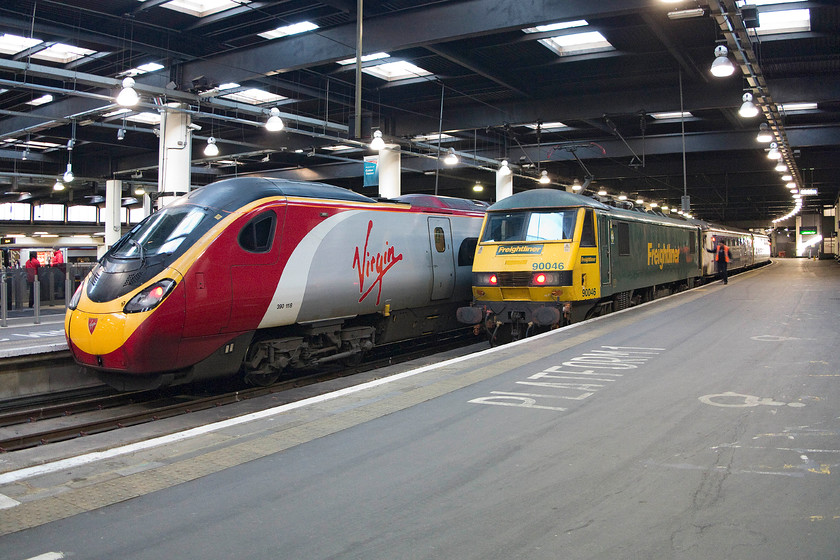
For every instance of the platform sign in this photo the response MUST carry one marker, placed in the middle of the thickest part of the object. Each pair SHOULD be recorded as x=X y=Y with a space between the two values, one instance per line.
x=807 y=231
x=371 y=171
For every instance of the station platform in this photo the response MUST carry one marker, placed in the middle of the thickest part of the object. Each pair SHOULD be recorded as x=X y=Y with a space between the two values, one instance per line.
x=34 y=358
x=702 y=425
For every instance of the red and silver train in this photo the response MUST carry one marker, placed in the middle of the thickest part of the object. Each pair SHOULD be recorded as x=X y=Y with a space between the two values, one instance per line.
x=254 y=276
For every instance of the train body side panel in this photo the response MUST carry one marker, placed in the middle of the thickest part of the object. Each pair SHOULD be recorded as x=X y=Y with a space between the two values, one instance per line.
x=645 y=253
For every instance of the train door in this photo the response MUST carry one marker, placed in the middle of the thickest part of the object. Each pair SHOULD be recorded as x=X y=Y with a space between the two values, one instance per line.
x=253 y=270
x=443 y=260
x=604 y=248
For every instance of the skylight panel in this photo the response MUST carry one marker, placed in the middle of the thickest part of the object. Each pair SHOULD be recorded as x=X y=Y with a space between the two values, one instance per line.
x=142 y=69
x=338 y=148
x=549 y=126
x=40 y=100
x=434 y=137
x=62 y=53
x=556 y=26
x=117 y=112
x=202 y=8
x=13 y=44
x=784 y=21
x=365 y=58
x=254 y=96
x=578 y=43
x=395 y=71
x=287 y=30
x=145 y=118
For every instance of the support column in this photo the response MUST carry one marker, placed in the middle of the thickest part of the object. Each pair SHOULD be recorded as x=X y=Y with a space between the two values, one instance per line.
x=113 y=222
x=175 y=155
x=389 y=171
x=504 y=184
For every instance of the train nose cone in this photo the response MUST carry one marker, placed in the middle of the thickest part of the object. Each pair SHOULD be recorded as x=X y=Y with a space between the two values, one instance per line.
x=95 y=334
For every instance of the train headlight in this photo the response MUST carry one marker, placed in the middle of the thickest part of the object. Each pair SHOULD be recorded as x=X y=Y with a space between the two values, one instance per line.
x=545 y=279
x=485 y=279
x=74 y=301
x=149 y=298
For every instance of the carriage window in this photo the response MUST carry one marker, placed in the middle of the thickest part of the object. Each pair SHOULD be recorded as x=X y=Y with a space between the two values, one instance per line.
x=692 y=242
x=623 y=233
x=440 y=240
x=466 y=252
x=258 y=234
x=587 y=236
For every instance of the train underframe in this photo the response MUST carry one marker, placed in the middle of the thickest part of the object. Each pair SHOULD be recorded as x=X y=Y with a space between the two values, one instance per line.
x=508 y=321
x=262 y=357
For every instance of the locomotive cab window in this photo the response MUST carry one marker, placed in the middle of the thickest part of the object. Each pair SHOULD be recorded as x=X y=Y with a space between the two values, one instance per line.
x=258 y=234
x=587 y=235
x=549 y=225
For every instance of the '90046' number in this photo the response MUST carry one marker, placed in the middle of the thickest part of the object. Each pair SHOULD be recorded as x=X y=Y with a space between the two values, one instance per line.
x=548 y=266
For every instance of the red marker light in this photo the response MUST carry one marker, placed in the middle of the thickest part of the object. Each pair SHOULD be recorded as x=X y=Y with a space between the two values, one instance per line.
x=157 y=292
x=493 y=280
x=539 y=279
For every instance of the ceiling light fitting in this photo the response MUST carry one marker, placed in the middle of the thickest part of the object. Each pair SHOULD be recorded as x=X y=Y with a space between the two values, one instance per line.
x=722 y=66
x=211 y=149
x=764 y=134
x=274 y=122
x=576 y=186
x=774 y=151
x=128 y=97
x=504 y=168
x=781 y=167
x=121 y=134
x=58 y=186
x=748 y=108
x=544 y=180
x=451 y=157
x=68 y=175
x=377 y=143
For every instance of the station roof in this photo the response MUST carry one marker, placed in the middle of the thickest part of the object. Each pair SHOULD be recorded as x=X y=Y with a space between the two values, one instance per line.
x=619 y=92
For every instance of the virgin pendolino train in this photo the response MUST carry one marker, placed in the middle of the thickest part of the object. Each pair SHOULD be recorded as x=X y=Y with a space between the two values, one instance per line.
x=256 y=276
x=547 y=258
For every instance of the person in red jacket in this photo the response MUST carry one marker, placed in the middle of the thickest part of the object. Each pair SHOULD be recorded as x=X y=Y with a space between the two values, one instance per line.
x=32 y=266
x=722 y=256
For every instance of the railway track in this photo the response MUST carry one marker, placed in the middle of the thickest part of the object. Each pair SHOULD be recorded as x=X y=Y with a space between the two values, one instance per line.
x=26 y=426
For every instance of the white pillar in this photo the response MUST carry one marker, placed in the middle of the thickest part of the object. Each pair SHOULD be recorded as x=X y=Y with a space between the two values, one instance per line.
x=175 y=154
x=113 y=223
x=389 y=171
x=504 y=184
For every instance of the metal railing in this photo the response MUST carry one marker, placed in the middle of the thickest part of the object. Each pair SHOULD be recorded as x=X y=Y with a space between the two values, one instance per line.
x=52 y=286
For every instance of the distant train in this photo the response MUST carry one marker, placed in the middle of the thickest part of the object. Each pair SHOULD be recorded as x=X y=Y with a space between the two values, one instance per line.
x=547 y=258
x=256 y=276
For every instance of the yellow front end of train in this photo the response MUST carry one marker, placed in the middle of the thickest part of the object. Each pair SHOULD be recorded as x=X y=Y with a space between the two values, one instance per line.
x=551 y=271
x=532 y=264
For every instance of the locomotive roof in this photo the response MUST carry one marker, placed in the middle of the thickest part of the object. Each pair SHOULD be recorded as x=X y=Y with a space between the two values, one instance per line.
x=230 y=194
x=545 y=198
x=551 y=198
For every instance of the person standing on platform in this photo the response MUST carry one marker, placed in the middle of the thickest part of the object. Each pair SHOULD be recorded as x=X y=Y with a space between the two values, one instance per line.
x=32 y=266
x=722 y=256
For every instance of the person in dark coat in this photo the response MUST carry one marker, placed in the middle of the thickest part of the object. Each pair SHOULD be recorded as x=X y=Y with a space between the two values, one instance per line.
x=32 y=266
x=722 y=256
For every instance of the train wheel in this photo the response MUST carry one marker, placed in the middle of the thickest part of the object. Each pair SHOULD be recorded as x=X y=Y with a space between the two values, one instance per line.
x=256 y=379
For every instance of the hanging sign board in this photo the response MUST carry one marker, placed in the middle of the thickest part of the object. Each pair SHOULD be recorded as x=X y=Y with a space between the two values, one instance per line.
x=371 y=171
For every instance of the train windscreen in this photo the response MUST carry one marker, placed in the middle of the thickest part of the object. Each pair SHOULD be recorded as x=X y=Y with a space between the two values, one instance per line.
x=530 y=226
